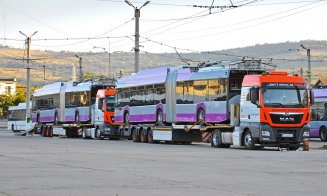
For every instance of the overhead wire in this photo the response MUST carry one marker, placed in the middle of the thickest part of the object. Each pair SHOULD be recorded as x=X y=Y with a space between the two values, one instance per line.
x=257 y=24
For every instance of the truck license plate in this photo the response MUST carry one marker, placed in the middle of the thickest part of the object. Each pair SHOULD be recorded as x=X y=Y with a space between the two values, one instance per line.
x=287 y=135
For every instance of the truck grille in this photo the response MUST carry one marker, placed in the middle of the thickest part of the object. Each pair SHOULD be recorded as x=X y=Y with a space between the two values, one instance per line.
x=283 y=118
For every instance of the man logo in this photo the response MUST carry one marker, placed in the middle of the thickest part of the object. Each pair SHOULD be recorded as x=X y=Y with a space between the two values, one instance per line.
x=286 y=119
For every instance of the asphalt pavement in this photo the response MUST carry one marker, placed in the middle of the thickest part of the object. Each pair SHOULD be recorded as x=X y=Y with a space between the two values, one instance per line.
x=34 y=165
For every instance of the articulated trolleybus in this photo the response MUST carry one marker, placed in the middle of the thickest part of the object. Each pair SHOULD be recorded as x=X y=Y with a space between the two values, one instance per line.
x=318 y=124
x=237 y=104
x=68 y=108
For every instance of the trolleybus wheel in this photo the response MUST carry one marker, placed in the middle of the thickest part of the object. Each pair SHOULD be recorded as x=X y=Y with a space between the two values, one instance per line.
x=77 y=117
x=248 y=140
x=126 y=118
x=159 y=117
x=323 y=134
x=13 y=128
x=201 y=116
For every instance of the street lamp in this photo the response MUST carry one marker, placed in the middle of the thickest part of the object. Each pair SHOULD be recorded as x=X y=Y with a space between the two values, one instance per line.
x=309 y=64
x=137 y=13
x=80 y=67
x=292 y=50
x=28 y=82
x=104 y=49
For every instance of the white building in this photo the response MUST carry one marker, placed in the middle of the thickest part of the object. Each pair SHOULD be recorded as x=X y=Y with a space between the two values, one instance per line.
x=8 y=86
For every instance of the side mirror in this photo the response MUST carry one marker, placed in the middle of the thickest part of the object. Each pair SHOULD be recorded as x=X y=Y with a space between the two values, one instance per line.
x=312 y=99
x=254 y=95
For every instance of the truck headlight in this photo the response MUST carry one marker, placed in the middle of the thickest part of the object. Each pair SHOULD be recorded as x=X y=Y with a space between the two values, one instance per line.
x=265 y=133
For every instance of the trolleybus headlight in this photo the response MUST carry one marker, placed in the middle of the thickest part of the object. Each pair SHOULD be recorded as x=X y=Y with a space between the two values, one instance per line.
x=265 y=133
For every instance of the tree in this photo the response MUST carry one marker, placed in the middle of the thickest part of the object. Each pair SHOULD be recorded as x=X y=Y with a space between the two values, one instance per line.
x=7 y=100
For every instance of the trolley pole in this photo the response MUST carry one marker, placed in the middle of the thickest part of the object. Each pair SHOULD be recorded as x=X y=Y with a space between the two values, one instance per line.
x=28 y=70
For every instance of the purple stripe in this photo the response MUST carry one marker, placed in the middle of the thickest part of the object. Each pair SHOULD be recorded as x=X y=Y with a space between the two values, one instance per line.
x=185 y=117
x=143 y=118
x=69 y=118
x=212 y=118
x=118 y=118
x=46 y=118
x=83 y=118
x=215 y=118
x=314 y=132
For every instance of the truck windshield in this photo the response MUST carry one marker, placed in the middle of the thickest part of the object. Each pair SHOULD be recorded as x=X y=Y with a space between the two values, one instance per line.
x=110 y=103
x=278 y=95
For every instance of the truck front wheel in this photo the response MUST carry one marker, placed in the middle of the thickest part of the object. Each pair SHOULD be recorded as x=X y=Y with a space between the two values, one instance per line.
x=248 y=140
x=216 y=139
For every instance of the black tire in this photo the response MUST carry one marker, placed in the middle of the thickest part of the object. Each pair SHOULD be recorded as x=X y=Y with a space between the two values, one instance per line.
x=84 y=133
x=216 y=141
x=96 y=133
x=159 y=117
x=323 y=134
x=135 y=136
x=13 y=128
x=50 y=131
x=248 y=140
x=150 y=136
x=143 y=136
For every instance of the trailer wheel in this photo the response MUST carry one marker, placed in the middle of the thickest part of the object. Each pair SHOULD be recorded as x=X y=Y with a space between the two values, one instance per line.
x=150 y=136
x=248 y=140
x=50 y=131
x=323 y=134
x=143 y=136
x=135 y=136
x=216 y=141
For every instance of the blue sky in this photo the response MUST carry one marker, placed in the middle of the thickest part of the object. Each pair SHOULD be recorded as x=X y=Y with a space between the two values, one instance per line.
x=164 y=24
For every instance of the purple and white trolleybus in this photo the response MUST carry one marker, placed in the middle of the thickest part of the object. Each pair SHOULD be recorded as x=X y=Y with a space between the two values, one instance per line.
x=318 y=124
x=177 y=96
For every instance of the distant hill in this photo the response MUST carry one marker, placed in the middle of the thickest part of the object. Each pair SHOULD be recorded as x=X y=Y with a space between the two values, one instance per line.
x=63 y=66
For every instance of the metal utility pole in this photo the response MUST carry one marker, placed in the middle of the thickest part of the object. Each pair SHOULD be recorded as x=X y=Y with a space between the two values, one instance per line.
x=109 y=59
x=104 y=49
x=137 y=13
x=80 y=67
x=44 y=74
x=309 y=64
x=28 y=70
